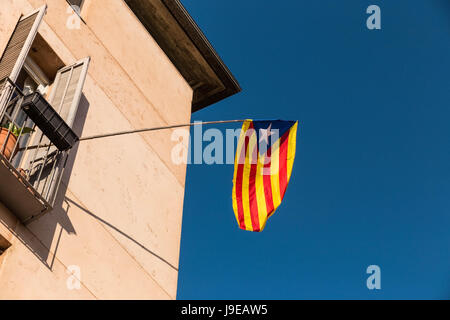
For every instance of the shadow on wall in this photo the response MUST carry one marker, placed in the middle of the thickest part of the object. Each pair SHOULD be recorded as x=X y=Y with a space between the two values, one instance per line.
x=70 y=201
x=39 y=235
x=42 y=236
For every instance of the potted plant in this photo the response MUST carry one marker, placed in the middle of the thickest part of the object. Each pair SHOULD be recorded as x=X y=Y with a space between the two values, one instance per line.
x=9 y=141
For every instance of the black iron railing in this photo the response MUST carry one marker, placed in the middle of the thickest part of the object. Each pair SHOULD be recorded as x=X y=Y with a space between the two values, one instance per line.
x=26 y=150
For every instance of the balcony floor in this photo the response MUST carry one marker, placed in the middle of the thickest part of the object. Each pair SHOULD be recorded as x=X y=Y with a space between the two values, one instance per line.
x=17 y=196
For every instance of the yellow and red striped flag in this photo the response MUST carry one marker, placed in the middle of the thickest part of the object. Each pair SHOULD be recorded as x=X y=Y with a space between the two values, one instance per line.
x=262 y=169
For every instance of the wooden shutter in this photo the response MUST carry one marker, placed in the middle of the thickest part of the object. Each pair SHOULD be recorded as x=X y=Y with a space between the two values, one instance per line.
x=66 y=92
x=17 y=49
x=65 y=99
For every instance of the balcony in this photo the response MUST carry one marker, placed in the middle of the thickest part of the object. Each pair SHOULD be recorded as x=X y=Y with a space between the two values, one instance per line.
x=34 y=146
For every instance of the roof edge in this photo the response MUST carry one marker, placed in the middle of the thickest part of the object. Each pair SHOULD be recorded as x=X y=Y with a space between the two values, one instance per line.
x=202 y=43
x=179 y=36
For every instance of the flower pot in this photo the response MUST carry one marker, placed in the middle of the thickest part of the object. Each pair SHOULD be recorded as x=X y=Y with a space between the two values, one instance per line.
x=9 y=145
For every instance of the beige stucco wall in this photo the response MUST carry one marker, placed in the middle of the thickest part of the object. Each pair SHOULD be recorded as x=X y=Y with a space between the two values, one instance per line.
x=122 y=199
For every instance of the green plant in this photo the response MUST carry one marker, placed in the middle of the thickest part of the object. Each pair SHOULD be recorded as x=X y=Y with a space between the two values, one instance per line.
x=17 y=131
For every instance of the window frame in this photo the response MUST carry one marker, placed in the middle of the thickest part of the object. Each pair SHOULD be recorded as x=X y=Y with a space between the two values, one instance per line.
x=80 y=7
x=4 y=245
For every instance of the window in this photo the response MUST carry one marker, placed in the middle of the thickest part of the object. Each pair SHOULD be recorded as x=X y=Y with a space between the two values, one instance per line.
x=30 y=65
x=4 y=244
x=65 y=98
x=76 y=5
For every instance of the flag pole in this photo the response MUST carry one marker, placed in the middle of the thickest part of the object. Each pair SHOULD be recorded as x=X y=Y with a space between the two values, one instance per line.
x=120 y=133
x=99 y=136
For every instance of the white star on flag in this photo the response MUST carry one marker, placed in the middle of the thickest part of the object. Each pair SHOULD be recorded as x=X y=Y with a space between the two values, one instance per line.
x=265 y=134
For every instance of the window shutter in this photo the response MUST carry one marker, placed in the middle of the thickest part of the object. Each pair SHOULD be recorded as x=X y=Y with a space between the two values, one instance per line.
x=65 y=99
x=66 y=93
x=17 y=49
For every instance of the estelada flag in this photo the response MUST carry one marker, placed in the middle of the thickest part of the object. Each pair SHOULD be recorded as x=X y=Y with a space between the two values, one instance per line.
x=262 y=169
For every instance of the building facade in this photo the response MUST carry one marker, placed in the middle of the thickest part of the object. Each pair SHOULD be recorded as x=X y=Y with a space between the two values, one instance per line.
x=101 y=219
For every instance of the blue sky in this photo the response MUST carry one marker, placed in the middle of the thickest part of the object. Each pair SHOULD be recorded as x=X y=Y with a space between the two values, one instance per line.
x=371 y=179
